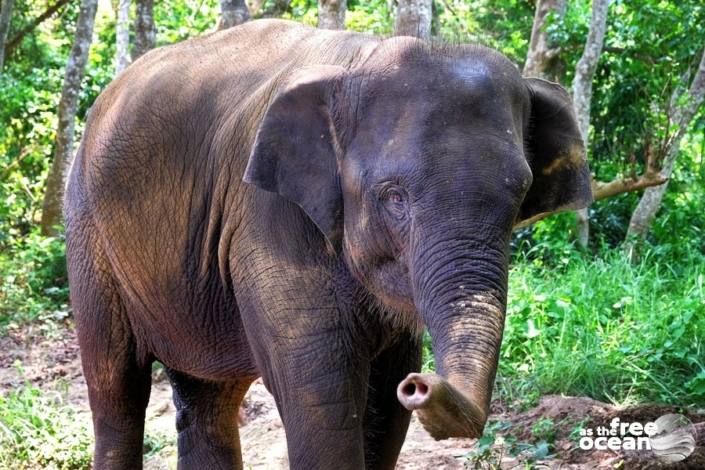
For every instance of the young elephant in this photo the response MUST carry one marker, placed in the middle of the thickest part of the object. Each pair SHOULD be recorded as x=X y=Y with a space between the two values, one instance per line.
x=279 y=201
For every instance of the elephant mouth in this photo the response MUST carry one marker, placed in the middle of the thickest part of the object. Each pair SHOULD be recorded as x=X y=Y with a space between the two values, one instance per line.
x=389 y=283
x=391 y=287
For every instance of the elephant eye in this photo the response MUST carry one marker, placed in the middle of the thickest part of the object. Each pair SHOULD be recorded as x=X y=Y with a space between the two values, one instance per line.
x=394 y=196
x=394 y=200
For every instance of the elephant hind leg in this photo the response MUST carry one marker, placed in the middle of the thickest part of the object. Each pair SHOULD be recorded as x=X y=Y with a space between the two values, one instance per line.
x=117 y=374
x=207 y=421
x=118 y=406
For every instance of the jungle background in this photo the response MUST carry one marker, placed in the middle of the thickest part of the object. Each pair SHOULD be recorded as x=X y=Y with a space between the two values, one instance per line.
x=607 y=304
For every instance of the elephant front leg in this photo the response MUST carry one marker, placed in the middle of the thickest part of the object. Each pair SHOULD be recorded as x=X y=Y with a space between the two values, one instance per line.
x=320 y=393
x=303 y=330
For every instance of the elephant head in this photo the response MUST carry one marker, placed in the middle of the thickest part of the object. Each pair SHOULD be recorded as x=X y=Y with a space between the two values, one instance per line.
x=415 y=166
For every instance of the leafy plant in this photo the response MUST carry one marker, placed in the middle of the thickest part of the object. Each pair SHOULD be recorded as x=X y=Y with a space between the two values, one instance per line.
x=156 y=442
x=543 y=429
x=33 y=279
x=486 y=455
x=37 y=430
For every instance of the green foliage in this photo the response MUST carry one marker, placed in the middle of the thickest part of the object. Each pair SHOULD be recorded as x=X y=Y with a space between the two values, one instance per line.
x=549 y=242
x=543 y=429
x=506 y=28
x=646 y=55
x=32 y=267
x=29 y=92
x=155 y=443
x=27 y=124
x=594 y=324
x=182 y=19
x=38 y=430
x=638 y=75
x=608 y=329
x=370 y=17
x=304 y=11
x=429 y=363
x=498 y=439
x=679 y=231
x=485 y=454
x=32 y=278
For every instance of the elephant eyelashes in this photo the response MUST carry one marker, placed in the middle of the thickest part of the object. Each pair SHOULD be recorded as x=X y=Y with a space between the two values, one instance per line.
x=394 y=201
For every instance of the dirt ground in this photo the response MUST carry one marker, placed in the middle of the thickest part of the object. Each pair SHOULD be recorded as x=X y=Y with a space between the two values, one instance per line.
x=48 y=355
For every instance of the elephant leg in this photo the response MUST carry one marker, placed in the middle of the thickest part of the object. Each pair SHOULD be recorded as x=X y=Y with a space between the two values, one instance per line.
x=323 y=423
x=312 y=358
x=206 y=420
x=118 y=392
x=118 y=376
x=320 y=388
x=386 y=420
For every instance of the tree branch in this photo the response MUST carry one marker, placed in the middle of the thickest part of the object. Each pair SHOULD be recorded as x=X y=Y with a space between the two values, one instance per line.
x=21 y=156
x=17 y=38
x=603 y=190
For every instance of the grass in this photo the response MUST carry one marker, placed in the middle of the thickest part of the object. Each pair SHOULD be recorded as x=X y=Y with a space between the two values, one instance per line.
x=38 y=430
x=607 y=329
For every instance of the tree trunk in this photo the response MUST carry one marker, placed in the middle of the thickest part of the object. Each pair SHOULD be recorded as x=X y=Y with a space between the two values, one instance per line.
x=542 y=59
x=683 y=113
x=63 y=149
x=5 y=16
x=582 y=92
x=122 y=36
x=232 y=13
x=145 y=31
x=331 y=14
x=274 y=9
x=414 y=18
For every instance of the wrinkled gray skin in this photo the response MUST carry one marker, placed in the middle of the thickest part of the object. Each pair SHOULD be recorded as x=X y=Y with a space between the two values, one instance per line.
x=279 y=201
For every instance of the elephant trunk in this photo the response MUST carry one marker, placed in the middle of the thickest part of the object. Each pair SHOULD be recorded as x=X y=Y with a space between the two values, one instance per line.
x=460 y=292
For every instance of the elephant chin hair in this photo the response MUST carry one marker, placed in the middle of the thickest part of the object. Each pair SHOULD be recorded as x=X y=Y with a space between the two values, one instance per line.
x=408 y=321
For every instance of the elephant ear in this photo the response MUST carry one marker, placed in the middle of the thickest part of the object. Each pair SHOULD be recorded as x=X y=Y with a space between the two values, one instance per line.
x=294 y=154
x=561 y=178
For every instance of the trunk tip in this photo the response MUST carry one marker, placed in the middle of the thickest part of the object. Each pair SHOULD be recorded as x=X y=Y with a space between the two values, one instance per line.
x=444 y=411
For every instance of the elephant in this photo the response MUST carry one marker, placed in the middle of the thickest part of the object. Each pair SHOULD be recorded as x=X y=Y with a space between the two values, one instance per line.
x=295 y=204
